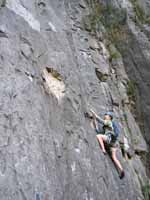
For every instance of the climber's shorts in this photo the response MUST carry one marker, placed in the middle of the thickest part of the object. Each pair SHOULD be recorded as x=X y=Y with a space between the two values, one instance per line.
x=111 y=142
x=109 y=138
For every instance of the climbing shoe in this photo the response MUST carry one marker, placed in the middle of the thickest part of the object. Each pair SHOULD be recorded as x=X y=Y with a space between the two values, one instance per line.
x=122 y=174
x=104 y=152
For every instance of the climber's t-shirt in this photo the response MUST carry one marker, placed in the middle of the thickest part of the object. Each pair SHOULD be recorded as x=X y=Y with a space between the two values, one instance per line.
x=107 y=125
x=108 y=131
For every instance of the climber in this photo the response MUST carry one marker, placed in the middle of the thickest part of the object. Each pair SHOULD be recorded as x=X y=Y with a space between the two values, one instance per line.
x=108 y=136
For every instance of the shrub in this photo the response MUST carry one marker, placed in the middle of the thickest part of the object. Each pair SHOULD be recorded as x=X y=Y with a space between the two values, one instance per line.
x=146 y=191
x=113 y=53
x=141 y=15
x=112 y=18
x=131 y=90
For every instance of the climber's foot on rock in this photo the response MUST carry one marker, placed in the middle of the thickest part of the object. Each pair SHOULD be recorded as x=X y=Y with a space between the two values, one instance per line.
x=122 y=174
x=104 y=152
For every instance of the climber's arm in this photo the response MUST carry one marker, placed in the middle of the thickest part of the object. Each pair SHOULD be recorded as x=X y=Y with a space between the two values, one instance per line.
x=99 y=119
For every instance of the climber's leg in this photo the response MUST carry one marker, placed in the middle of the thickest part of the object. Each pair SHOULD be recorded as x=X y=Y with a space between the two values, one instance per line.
x=102 y=138
x=117 y=162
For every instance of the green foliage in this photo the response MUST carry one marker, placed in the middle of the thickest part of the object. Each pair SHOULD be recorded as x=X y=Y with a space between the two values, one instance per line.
x=92 y=22
x=141 y=15
x=131 y=90
x=54 y=73
x=114 y=54
x=102 y=77
x=146 y=191
x=112 y=18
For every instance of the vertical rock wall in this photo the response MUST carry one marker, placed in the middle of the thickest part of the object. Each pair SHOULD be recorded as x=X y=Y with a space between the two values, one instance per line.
x=48 y=150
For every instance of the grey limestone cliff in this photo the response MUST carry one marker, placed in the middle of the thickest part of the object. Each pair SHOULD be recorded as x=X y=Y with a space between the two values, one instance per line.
x=52 y=71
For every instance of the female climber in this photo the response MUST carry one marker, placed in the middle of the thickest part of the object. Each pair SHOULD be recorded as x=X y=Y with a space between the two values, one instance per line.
x=108 y=137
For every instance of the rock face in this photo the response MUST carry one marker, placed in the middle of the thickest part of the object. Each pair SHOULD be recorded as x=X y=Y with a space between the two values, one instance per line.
x=136 y=58
x=52 y=71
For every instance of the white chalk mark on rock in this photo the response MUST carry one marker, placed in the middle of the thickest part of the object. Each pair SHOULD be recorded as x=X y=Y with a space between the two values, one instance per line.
x=52 y=27
x=77 y=150
x=73 y=167
x=16 y=7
